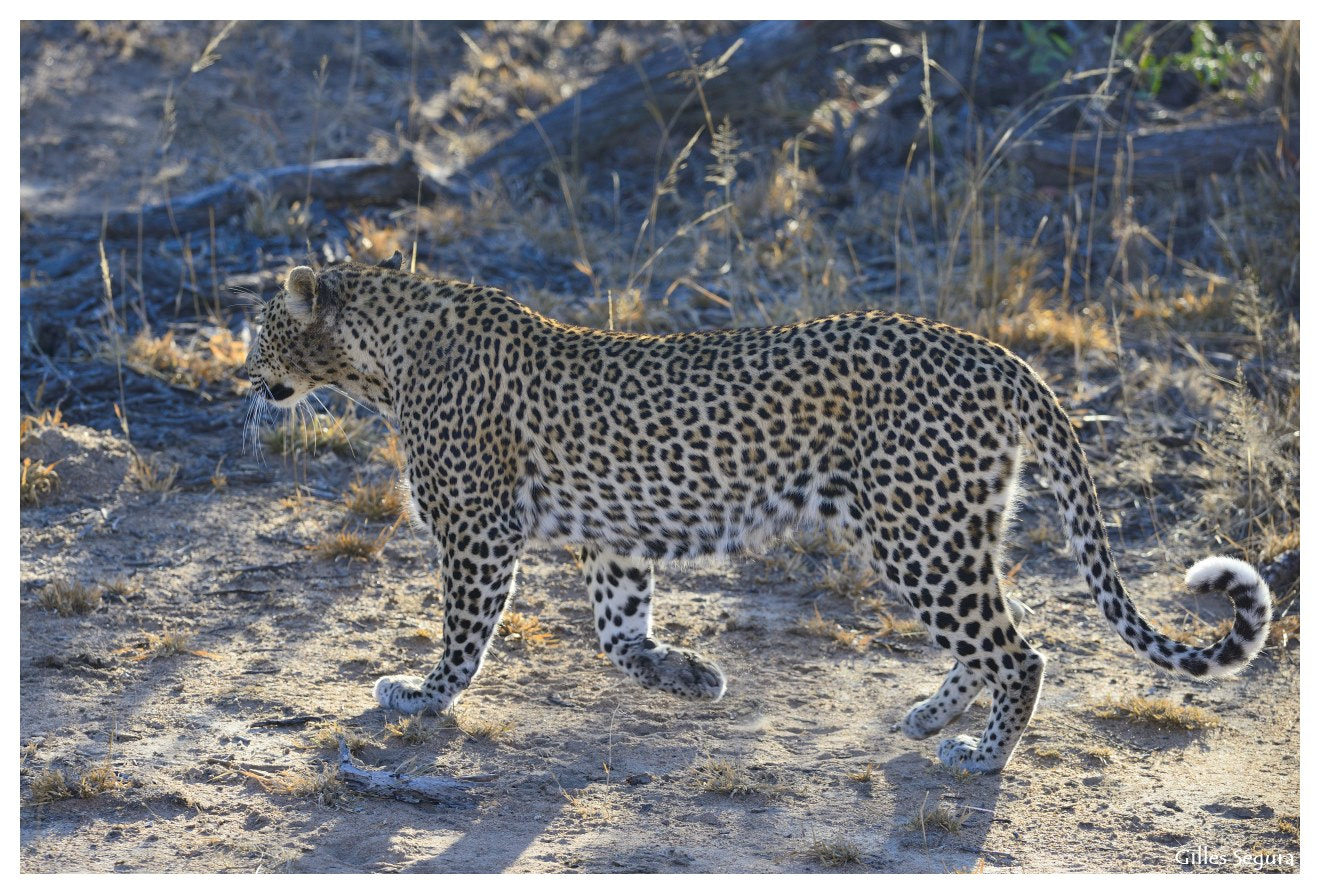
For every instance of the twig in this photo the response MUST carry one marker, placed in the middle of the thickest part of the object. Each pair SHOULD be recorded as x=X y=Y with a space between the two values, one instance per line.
x=296 y=720
x=444 y=790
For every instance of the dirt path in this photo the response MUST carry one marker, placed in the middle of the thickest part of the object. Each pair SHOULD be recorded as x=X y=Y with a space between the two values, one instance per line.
x=214 y=763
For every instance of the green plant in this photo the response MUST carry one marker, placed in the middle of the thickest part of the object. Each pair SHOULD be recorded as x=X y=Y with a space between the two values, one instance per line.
x=1044 y=47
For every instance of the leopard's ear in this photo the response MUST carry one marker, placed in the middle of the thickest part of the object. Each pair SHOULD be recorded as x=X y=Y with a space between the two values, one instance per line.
x=394 y=262
x=300 y=294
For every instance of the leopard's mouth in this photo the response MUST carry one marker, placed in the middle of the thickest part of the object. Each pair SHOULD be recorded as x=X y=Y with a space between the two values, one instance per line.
x=276 y=393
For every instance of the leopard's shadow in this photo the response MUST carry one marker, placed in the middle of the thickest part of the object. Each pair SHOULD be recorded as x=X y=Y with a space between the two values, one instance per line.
x=941 y=817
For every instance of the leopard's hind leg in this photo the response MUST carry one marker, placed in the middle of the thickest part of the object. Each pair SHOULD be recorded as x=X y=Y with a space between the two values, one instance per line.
x=960 y=687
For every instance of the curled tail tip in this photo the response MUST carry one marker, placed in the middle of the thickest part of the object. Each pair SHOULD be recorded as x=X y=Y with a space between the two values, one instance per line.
x=1252 y=605
x=1222 y=574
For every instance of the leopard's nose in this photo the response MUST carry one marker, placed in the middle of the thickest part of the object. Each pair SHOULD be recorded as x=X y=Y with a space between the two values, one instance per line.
x=279 y=392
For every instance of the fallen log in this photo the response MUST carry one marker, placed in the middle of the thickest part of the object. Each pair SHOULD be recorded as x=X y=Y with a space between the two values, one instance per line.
x=730 y=70
x=447 y=791
x=334 y=181
x=1153 y=155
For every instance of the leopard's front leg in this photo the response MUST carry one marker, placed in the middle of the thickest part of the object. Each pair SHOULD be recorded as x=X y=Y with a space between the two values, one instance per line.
x=621 y=590
x=478 y=564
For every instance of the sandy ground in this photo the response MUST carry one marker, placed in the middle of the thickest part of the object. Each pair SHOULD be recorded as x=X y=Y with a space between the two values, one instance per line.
x=215 y=761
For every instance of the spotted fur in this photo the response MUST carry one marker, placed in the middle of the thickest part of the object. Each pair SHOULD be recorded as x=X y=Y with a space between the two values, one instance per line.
x=901 y=435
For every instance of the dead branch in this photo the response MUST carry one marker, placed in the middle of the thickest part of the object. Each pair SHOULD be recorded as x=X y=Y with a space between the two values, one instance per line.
x=335 y=181
x=729 y=69
x=447 y=791
x=1151 y=155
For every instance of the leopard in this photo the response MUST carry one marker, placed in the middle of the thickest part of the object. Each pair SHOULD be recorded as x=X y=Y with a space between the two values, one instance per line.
x=896 y=434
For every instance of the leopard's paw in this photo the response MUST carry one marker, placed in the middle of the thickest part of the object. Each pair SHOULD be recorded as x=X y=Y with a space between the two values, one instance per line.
x=964 y=753
x=402 y=693
x=681 y=672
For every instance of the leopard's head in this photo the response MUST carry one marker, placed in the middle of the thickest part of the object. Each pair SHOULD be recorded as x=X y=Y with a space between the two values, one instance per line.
x=304 y=341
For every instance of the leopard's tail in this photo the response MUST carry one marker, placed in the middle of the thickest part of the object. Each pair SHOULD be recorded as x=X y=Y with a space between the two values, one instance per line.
x=1061 y=454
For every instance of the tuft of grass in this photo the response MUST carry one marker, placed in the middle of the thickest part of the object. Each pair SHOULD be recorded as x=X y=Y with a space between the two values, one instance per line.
x=34 y=424
x=520 y=631
x=1158 y=712
x=98 y=780
x=37 y=482
x=1252 y=466
x=374 y=501
x=150 y=476
x=849 y=580
x=835 y=852
x=203 y=359
x=50 y=786
x=413 y=730
x=1049 y=754
x=1041 y=323
x=724 y=777
x=322 y=783
x=390 y=452
x=53 y=784
x=939 y=815
x=162 y=645
x=353 y=545
x=68 y=598
x=486 y=730
x=372 y=242
x=866 y=774
x=268 y=217
x=317 y=433
x=1284 y=631
x=1291 y=826
x=817 y=626
x=328 y=734
x=1099 y=754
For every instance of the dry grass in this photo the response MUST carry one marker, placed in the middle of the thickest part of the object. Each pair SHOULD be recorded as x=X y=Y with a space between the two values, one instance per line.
x=834 y=852
x=151 y=476
x=50 y=786
x=725 y=777
x=412 y=730
x=939 y=816
x=492 y=729
x=1157 y=712
x=68 y=598
x=390 y=452
x=818 y=626
x=206 y=358
x=1283 y=631
x=321 y=783
x=328 y=734
x=152 y=646
x=372 y=242
x=37 y=482
x=32 y=424
x=316 y=433
x=353 y=545
x=866 y=774
x=54 y=784
x=374 y=500
x=1102 y=755
x=848 y=580
x=521 y=631
x=98 y=780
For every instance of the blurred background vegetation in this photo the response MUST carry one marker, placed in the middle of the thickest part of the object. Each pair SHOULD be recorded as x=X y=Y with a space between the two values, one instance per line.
x=1119 y=202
